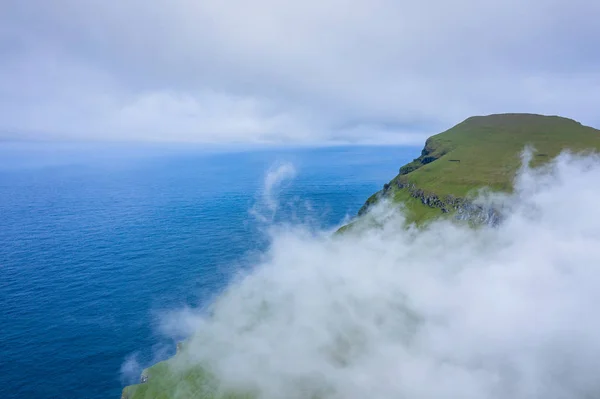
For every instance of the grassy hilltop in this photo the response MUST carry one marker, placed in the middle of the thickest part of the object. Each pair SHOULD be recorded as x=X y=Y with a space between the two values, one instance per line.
x=482 y=151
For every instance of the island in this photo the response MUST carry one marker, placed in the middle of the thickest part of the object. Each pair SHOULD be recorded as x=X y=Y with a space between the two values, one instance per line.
x=442 y=182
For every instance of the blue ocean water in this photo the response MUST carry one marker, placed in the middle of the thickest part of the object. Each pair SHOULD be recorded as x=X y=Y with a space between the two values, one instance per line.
x=97 y=240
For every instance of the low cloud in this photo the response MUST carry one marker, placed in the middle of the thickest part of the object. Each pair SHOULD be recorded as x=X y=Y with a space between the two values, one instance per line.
x=442 y=313
x=312 y=72
x=273 y=180
x=131 y=369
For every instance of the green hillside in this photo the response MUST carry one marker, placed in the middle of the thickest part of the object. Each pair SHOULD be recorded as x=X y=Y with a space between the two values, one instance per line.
x=482 y=151
x=178 y=379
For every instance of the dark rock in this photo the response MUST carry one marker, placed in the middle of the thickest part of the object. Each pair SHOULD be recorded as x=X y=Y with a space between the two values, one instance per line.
x=465 y=209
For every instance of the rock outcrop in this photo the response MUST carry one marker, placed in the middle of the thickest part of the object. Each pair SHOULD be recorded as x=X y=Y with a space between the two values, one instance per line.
x=461 y=208
x=431 y=152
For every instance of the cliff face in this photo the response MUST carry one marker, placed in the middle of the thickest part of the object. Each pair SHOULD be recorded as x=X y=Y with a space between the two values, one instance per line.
x=431 y=152
x=460 y=208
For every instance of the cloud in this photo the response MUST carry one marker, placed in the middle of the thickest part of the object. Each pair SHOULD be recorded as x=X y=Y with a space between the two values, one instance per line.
x=131 y=369
x=290 y=72
x=265 y=209
x=273 y=180
x=442 y=313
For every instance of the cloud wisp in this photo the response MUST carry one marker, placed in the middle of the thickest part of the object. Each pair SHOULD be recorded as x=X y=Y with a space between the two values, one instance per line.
x=265 y=208
x=442 y=313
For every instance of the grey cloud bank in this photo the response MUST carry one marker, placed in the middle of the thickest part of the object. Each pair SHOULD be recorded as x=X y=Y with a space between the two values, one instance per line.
x=306 y=72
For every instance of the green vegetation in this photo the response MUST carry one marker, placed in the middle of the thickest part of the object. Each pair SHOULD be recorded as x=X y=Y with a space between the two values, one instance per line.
x=485 y=151
x=172 y=379
x=482 y=151
x=417 y=211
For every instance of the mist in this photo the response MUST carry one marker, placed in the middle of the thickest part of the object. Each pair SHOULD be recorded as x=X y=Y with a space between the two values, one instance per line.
x=446 y=311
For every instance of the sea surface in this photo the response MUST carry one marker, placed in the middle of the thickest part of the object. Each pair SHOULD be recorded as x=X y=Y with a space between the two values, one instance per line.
x=97 y=241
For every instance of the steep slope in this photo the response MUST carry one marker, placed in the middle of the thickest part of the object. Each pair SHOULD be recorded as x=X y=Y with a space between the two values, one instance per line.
x=482 y=151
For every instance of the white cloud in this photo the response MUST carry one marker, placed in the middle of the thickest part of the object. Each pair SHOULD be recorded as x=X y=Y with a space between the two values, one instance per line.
x=444 y=313
x=303 y=72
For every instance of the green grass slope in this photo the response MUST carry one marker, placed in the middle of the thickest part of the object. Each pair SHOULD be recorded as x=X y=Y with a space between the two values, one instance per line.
x=482 y=151
x=171 y=379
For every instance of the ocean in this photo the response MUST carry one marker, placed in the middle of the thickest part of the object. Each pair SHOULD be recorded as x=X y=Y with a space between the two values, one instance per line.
x=98 y=240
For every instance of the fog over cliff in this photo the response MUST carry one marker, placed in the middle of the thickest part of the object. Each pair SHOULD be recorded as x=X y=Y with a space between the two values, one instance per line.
x=448 y=312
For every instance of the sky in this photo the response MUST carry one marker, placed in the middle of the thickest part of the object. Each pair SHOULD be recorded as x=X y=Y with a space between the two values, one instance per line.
x=289 y=72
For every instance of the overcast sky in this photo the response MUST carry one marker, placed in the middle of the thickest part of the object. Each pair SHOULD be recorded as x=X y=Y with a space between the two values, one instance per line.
x=311 y=71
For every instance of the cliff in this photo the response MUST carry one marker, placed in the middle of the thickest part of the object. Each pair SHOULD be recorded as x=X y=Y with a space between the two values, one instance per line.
x=480 y=152
x=477 y=153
